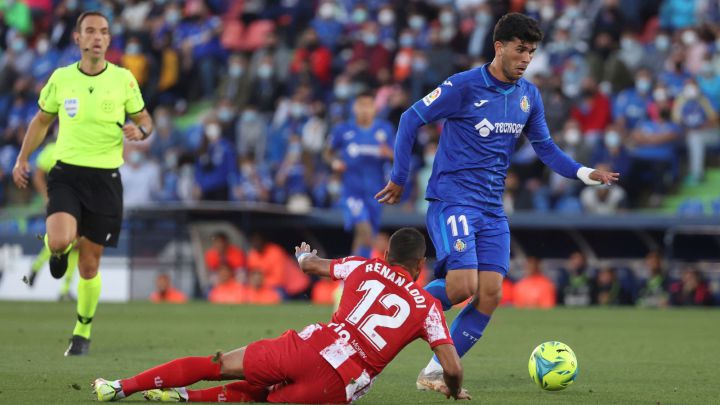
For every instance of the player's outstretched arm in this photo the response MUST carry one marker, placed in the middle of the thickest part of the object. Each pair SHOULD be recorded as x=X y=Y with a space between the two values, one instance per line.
x=452 y=371
x=309 y=261
x=601 y=177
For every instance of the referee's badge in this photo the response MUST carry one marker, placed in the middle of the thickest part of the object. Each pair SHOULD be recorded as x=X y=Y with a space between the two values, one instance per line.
x=71 y=107
x=525 y=104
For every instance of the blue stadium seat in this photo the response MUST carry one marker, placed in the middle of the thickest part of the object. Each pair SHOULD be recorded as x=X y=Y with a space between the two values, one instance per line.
x=691 y=207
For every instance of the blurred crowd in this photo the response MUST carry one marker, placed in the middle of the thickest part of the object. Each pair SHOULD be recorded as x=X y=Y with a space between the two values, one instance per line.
x=577 y=283
x=266 y=274
x=245 y=93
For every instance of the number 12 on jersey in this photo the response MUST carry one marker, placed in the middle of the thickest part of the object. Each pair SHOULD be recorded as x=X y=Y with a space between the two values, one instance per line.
x=367 y=324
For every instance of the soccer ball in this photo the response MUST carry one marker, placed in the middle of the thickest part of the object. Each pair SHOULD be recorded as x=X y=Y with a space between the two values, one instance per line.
x=553 y=366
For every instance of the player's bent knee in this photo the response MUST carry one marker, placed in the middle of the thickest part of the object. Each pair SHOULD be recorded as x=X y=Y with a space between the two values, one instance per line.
x=461 y=285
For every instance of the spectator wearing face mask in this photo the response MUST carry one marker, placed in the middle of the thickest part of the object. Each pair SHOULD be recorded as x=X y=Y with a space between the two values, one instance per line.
x=46 y=58
x=226 y=113
x=135 y=61
x=592 y=111
x=693 y=111
x=167 y=139
x=235 y=81
x=266 y=87
x=215 y=164
x=631 y=105
x=368 y=53
x=612 y=150
x=327 y=25
x=654 y=153
x=141 y=179
x=319 y=58
x=251 y=133
x=603 y=200
x=657 y=50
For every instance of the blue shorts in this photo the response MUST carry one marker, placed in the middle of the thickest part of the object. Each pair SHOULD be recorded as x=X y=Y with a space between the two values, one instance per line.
x=359 y=209
x=465 y=238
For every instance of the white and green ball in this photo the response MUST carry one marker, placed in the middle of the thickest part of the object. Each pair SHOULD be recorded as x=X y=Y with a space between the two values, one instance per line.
x=553 y=366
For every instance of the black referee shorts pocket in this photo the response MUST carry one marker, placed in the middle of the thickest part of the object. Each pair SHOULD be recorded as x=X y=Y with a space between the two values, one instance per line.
x=105 y=194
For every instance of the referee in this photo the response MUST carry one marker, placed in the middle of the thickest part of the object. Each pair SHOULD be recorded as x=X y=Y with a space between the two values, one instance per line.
x=91 y=98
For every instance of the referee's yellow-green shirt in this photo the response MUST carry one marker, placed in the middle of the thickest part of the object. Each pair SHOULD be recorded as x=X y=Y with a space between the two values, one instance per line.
x=89 y=109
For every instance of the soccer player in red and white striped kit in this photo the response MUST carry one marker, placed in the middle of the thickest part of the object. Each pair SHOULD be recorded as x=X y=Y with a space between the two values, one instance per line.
x=381 y=311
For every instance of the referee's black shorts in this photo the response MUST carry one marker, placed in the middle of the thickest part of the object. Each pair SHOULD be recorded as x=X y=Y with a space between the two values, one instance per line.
x=93 y=196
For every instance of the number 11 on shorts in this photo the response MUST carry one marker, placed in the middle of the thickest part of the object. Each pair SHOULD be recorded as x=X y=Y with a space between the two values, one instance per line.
x=454 y=227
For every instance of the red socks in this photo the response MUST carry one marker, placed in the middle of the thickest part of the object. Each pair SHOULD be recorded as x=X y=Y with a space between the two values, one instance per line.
x=177 y=373
x=240 y=391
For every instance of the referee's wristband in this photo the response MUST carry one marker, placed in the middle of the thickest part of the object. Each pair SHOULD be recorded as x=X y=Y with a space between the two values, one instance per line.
x=144 y=132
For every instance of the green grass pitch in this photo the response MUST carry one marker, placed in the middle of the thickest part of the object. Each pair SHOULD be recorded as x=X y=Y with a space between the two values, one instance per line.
x=626 y=356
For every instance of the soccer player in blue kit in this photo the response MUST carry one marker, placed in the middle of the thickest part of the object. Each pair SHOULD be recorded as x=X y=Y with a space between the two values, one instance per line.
x=485 y=110
x=360 y=149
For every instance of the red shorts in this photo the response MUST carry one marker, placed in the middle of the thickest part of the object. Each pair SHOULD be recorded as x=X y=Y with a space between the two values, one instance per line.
x=297 y=372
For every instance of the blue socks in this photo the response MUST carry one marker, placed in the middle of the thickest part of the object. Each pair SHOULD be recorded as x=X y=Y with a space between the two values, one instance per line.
x=468 y=328
x=465 y=331
x=437 y=289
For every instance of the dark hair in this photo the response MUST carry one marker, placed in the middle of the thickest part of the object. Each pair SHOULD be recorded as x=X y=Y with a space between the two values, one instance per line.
x=365 y=93
x=85 y=14
x=516 y=25
x=221 y=236
x=406 y=246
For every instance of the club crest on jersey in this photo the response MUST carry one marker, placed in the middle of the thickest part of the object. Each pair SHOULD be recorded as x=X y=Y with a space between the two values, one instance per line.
x=525 y=104
x=71 y=106
x=432 y=96
x=460 y=245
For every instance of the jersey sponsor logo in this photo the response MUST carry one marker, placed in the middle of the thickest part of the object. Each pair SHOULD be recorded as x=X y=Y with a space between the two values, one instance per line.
x=432 y=96
x=525 y=104
x=380 y=135
x=354 y=150
x=481 y=103
x=460 y=245
x=484 y=127
x=447 y=83
x=71 y=106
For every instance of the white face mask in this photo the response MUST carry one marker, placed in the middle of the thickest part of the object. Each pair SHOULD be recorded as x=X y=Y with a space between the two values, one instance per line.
x=660 y=95
x=42 y=46
x=689 y=37
x=213 y=132
x=446 y=18
x=612 y=139
x=135 y=157
x=690 y=91
x=386 y=17
x=326 y=11
x=572 y=136
x=662 y=43
x=416 y=22
x=643 y=85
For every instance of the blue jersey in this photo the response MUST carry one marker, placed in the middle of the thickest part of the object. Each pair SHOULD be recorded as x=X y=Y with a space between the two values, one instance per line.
x=359 y=148
x=483 y=120
x=632 y=106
